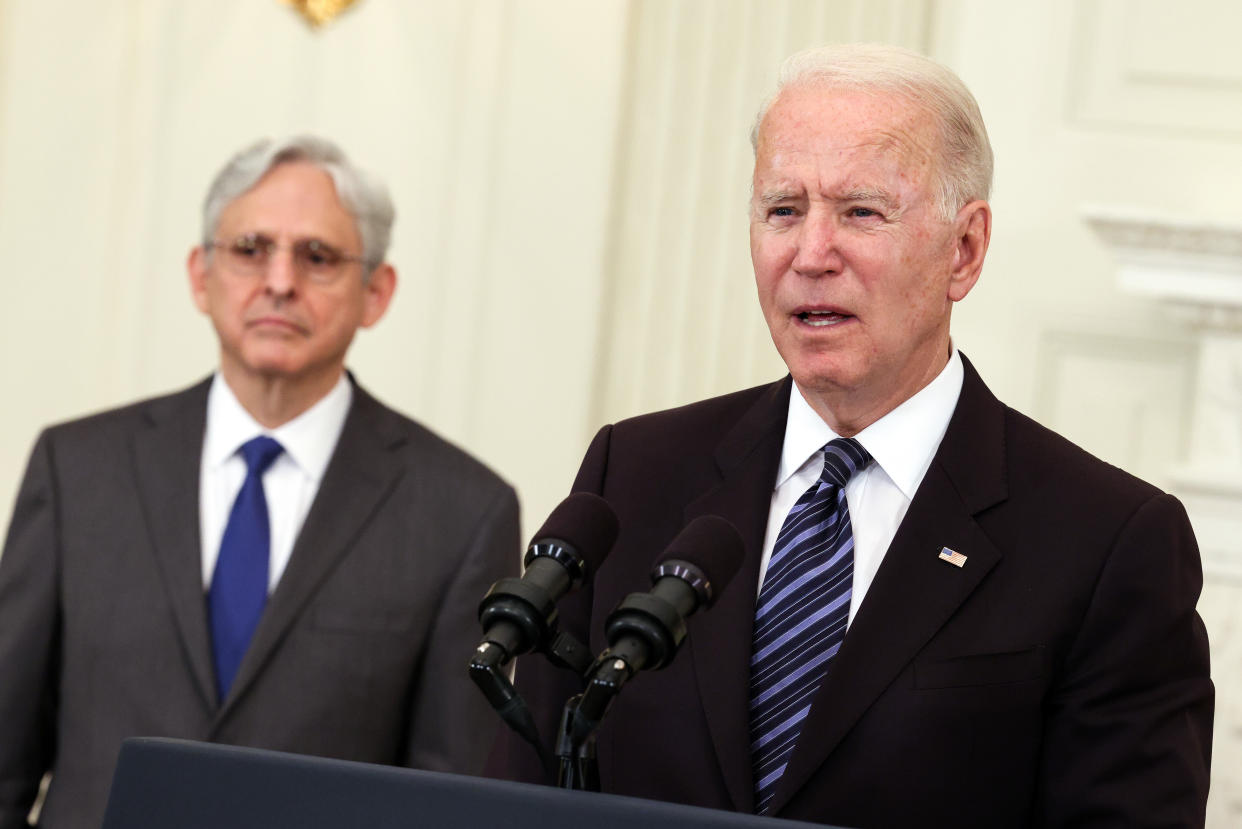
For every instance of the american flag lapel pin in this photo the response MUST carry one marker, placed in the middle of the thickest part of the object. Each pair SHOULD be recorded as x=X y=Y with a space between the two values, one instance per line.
x=952 y=556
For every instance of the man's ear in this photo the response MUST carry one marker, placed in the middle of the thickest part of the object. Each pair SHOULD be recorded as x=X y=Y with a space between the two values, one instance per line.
x=196 y=267
x=972 y=230
x=377 y=293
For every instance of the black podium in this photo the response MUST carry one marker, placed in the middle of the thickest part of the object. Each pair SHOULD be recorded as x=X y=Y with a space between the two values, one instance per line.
x=188 y=785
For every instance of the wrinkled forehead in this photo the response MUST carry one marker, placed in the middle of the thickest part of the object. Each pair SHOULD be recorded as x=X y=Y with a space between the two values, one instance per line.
x=821 y=120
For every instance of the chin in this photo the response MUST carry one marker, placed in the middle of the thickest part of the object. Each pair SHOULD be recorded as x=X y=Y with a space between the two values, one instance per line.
x=274 y=365
x=827 y=375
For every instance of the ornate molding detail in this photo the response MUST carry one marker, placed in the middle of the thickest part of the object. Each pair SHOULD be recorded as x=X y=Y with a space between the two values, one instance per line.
x=319 y=12
x=1134 y=231
x=1193 y=263
x=1196 y=267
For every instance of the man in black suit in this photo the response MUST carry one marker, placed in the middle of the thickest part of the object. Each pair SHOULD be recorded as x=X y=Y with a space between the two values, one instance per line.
x=947 y=615
x=154 y=583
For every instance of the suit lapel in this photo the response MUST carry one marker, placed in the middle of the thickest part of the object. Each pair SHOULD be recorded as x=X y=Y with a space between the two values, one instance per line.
x=719 y=640
x=914 y=593
x=167 y=456
x=362 y=473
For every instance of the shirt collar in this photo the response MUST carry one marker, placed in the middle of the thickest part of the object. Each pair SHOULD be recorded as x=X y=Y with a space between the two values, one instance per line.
x=902 y=442
x=308 y=439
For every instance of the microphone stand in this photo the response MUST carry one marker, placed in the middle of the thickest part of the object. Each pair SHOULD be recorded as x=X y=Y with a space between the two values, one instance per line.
x=581 y=718
x=486 y=670
x=644 y=632
x=494 y=682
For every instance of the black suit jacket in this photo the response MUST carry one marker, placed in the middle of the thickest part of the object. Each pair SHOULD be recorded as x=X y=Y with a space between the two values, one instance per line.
x=361 y=650
x=1059 y=678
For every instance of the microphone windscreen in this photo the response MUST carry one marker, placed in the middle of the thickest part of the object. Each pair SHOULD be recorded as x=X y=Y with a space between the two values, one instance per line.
x=712 y=544
x=587 y=523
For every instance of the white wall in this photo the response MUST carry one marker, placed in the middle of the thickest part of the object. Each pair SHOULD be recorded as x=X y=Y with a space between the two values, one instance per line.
x=571 y=180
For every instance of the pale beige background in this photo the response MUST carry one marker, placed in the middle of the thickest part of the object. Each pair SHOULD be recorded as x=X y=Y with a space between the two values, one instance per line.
x=571 y=179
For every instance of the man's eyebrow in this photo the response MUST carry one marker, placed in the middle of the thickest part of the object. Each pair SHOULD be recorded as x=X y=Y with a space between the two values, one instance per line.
x=862 y=194
x=776 y=196
x=867 y=195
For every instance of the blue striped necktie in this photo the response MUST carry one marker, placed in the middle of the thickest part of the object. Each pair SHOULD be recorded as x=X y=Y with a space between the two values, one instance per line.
x=239 y=585
x=801 y=614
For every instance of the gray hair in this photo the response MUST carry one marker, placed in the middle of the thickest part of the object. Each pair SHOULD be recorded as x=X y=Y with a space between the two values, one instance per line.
x=965 y=166
x=364 y=197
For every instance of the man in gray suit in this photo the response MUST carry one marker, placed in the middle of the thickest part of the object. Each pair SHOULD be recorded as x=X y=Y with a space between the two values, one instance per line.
x=270 y=558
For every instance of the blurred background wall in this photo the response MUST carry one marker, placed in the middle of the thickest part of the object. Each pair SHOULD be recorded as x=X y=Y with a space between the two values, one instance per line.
x=571 y=179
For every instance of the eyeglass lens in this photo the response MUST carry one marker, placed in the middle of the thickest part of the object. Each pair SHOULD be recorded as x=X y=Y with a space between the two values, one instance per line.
x=253 y=252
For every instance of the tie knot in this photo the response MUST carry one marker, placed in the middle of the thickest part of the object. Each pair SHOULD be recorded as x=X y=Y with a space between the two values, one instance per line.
x=259 y=453
x=842 y=458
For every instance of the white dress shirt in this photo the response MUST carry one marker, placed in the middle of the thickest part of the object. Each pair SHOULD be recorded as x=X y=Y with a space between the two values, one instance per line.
x=289 y=484
x=902 y=445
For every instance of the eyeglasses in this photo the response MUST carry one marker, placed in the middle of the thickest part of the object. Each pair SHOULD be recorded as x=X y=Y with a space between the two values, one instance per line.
x=251 y=255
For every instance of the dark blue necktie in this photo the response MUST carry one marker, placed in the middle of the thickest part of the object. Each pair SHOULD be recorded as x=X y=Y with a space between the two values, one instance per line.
x=239 y=585
x=801 y=614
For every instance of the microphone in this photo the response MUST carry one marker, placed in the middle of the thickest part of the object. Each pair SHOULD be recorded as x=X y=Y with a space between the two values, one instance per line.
x=519 y=615
x=646 y=629
x=644 y=632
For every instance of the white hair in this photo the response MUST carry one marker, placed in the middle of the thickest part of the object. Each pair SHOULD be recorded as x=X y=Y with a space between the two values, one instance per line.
x=964 y=170
x=365 y=198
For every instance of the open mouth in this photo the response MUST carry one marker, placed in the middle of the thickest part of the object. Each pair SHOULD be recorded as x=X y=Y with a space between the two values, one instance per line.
x=821 y=319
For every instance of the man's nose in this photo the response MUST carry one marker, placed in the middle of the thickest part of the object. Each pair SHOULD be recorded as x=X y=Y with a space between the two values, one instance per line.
x=818 y=254
x=281 y=275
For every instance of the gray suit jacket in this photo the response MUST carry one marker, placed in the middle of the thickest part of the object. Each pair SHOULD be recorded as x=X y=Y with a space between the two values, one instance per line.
x=362 y=649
